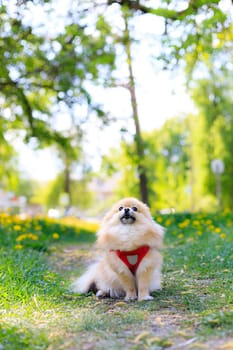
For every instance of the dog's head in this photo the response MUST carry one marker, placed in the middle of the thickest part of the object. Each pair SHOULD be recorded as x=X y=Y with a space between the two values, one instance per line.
x=128 y=225
x=128 y=211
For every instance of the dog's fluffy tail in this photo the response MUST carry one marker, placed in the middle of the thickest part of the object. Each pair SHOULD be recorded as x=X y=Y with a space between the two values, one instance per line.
x=87 y=282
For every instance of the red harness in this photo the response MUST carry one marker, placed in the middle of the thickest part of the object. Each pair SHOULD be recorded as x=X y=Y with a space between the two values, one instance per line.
x=133 y=258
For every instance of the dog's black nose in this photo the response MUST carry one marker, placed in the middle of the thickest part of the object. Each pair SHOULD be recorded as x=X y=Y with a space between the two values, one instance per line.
x=126 y=210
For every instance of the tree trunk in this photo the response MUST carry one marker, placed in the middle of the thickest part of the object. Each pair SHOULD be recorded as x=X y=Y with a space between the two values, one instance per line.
x=143 y=183
x=67 y=180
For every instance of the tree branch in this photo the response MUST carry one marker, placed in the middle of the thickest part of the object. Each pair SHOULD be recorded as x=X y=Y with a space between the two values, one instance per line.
x=163 y=12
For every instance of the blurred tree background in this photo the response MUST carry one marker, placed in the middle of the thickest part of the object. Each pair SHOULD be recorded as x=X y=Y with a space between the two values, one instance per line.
x=51 y=64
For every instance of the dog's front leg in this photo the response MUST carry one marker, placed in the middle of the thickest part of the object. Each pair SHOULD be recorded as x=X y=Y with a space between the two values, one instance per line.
x=127 y=281
x=143 y=278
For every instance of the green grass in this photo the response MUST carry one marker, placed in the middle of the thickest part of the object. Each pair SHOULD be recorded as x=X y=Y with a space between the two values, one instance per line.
x=25 y=275
x=195 y=307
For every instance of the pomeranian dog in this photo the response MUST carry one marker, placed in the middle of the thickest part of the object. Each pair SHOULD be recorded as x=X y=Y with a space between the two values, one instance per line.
x=131 y=261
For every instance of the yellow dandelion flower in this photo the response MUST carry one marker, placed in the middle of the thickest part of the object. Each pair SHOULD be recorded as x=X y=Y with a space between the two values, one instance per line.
x=223 y=235
x=199 y=233
x=184 y=224
x=56 y=235
x=27 y=235
x=80 y=224
x=168 y=223
x=196 y=223
x=17 y=227
x=33 y=236
x=217 y=230
x=4 y=215
x=18 y=246
x=159 y=219
x=180 y=235
x=21 y=237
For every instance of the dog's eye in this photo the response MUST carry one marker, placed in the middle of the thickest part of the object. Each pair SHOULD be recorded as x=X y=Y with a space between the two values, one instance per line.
x=120 y=208
x=134 y=208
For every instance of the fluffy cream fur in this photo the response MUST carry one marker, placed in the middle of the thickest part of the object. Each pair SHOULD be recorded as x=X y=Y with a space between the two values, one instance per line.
x=126 y=227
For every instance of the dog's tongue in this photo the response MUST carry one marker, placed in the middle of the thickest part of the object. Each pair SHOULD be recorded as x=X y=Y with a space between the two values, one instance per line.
x=132 y=259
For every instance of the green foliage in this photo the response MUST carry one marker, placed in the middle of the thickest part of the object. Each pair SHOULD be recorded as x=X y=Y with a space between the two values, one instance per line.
x=170 y=164
x=178 y=162
x=49 y=194
x=27 y=188
x=9 y=174
x=214 y=137
x=167 y=163
x=203 y=22
x=42 y=75
x=53 y=191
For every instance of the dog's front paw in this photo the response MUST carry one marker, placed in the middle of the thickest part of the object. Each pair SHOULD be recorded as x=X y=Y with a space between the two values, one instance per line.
x=145 y=297
x=116 y=294
x=102 y=294
x=130 y=297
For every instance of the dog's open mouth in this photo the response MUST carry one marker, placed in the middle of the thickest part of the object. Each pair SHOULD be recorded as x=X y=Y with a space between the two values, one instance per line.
x=127 y=219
